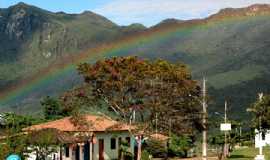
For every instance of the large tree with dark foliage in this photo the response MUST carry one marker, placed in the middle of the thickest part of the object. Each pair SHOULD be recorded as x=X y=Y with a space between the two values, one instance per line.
x=154 y=90
x=261 y=113
x=51 y=108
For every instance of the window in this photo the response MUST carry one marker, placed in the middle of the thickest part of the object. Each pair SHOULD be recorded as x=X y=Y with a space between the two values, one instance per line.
x=128 y=140
x=66 y=151
x=113 y=143
x=263 y=136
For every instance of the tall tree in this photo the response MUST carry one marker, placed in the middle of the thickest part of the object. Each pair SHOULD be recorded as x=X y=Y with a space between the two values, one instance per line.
x=51 y=108
x=155 y=90
x=261 y=113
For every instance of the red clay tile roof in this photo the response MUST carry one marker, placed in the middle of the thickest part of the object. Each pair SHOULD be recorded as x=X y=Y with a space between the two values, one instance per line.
x=96 y=123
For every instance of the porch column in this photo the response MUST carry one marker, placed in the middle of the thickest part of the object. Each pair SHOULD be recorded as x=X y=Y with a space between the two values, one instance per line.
x=70 y=152
x=81 y=145
x=91 y=149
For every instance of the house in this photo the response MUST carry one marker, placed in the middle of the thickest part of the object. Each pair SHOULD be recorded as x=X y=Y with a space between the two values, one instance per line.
x=98 y=138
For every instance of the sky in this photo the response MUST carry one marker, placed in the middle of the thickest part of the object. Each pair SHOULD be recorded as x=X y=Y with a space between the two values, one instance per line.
x=147 y=12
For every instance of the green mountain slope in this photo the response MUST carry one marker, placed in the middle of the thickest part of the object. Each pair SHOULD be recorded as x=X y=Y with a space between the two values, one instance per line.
x=230 y=48
x=32 y=38
x=232 y=52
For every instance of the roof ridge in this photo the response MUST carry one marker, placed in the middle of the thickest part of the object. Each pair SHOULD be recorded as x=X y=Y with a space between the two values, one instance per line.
x=100 y=123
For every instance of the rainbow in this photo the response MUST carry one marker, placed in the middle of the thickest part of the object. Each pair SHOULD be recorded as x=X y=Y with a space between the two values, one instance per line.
x=47 y=76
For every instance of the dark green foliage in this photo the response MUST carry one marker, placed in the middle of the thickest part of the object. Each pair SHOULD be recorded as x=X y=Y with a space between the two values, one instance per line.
x=14 y=140
x=14 y=145
x=217 y=140
x=12 y=120
x=52 y=108
x=67 y=105
x=156 y=148
x=125 y=150
x=261 y=113
x=180 y=145
x=145 y=155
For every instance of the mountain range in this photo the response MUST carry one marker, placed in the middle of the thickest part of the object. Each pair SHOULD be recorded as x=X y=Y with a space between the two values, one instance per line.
x=40 y=50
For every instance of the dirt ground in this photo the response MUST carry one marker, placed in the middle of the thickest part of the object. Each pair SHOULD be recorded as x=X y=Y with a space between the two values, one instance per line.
x=209 y=158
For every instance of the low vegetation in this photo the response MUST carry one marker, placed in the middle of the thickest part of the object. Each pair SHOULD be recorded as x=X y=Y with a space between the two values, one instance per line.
x=248 y=153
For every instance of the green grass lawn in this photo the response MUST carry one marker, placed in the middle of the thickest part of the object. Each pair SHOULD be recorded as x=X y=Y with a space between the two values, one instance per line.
x=248 y=154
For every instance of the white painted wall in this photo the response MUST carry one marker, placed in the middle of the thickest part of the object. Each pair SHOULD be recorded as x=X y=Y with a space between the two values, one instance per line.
x=259 y=141
x=108 y=152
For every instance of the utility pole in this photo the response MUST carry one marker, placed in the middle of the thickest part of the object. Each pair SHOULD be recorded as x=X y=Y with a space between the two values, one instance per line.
x=156 y=124
x=225 y=132
x=260 y=132
x=204 y=121
x=170 y=128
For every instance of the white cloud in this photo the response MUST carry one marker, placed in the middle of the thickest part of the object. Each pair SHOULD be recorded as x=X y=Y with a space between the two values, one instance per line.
x=150 y=12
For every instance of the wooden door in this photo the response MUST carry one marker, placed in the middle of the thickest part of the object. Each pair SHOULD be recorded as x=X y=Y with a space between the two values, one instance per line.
x=86 y=151
x=101 y=149
x=77 y=153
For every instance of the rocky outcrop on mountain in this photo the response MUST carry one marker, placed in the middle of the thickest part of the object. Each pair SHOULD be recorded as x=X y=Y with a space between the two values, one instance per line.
x=253 y=10
x=20 y=21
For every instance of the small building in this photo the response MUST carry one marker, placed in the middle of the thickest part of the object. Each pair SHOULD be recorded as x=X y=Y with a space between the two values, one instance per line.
x=98 y=138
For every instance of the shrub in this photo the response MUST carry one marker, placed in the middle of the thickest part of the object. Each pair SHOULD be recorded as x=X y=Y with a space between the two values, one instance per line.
x=156 y=148
x=145 y=155
x=180 y=145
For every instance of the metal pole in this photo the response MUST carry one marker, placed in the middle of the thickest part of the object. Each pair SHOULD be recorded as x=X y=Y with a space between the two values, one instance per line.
x=260 y=132
x=225 y=115
x=225 y=133
x=139 y=141
x=156 y=124
x=170 y=128
x=261 y=139
x=134 y=115
x=204 y=133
